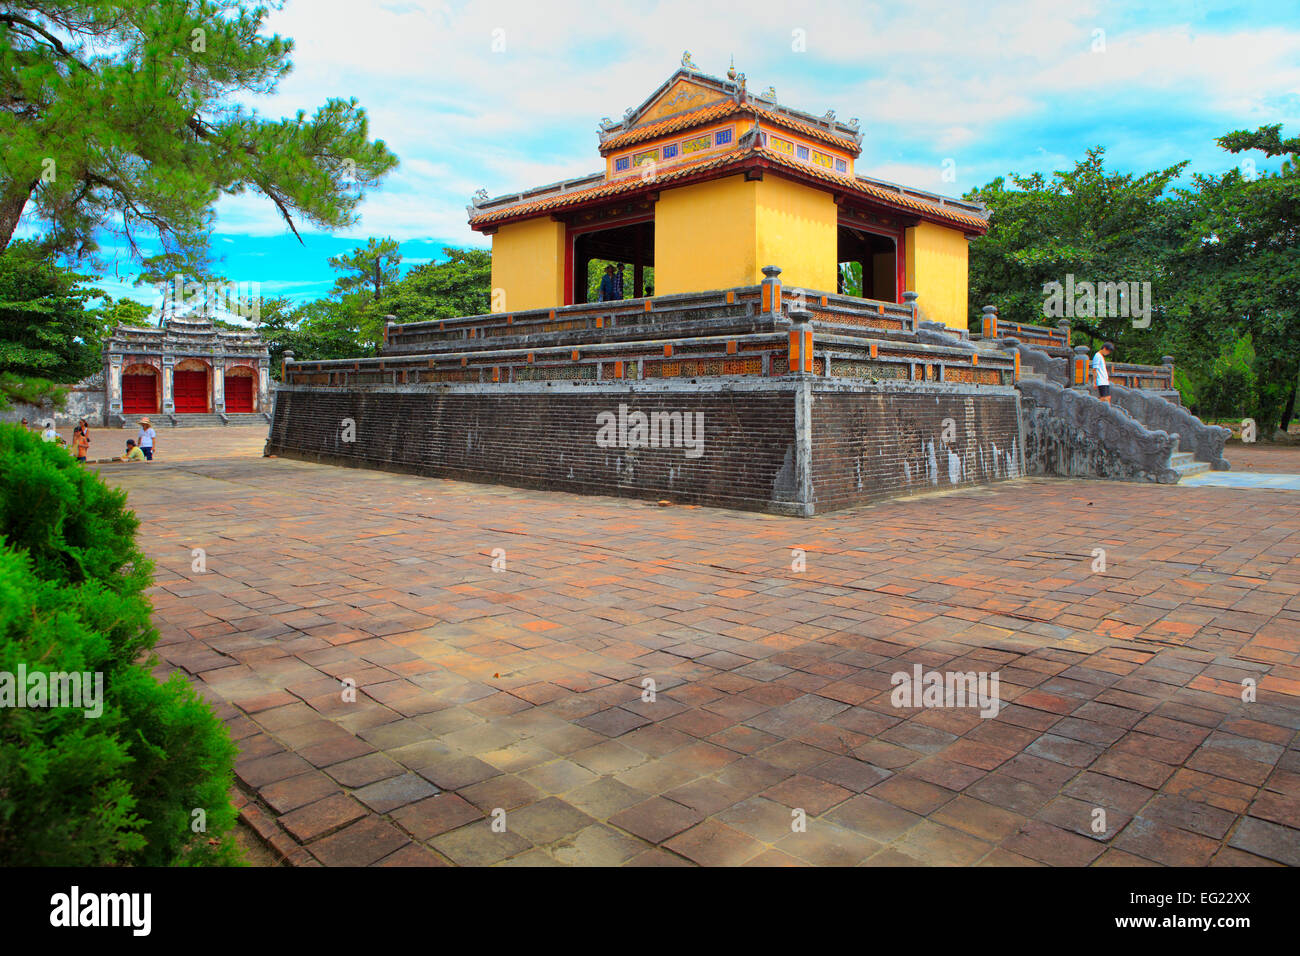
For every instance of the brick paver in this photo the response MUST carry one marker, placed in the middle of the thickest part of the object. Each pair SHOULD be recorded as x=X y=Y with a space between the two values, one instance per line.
x=651 y=685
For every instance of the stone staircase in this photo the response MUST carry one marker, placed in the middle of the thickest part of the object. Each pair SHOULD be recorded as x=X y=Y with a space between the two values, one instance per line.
x=1152 y=411
x=194 y=420
x=1185 y=463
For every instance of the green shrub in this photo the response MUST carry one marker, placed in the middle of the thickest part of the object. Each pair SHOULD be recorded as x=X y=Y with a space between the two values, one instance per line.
x=119 y=788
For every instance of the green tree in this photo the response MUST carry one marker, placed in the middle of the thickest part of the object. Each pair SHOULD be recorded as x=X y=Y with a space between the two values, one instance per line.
x=47 y=334
x=458 y=285
x=133 y=115
x=372 y=267
x=1241 y=261
x=125 y=312
x=320 y=329
x=1097 y=225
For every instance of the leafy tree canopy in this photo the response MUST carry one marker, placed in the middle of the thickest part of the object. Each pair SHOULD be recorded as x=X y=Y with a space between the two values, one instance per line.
x=373 y=267
x=47 y=333
x=129 y=117
x=1222 y=257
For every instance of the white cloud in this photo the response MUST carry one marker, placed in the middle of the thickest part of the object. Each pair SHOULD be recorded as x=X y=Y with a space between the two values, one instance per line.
x=928 y=80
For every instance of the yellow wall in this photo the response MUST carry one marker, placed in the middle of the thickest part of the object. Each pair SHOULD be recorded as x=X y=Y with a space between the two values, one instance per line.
x=936 y=269
x=528 y=265
x=705 y=236
x=798 y=231
x=719 y=234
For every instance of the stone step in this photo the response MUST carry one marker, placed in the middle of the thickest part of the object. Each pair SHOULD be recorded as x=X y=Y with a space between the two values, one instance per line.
x=197 y=420
x=1185 y=465
x=247 y=418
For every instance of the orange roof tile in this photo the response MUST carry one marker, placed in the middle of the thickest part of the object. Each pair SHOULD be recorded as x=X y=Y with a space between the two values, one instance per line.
x=716 y=111
x=808 y=129
x=612 y=188
x=721 y=162
x=882 y=193
x=703 y=114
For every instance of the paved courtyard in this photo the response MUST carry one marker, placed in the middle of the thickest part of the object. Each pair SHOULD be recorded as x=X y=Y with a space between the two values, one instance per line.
x=518 y=695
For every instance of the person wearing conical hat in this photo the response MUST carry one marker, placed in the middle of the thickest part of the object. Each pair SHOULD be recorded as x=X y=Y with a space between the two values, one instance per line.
x=145 y=440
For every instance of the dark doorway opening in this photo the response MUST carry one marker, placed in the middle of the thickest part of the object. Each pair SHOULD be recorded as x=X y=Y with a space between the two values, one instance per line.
x=868 y=264
x=629 y=249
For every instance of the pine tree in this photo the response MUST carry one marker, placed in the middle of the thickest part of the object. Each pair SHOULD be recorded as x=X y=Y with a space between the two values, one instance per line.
x=130 y=117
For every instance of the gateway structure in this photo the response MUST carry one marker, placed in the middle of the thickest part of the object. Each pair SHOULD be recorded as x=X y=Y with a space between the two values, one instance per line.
x=187 y=369
x=807 y=322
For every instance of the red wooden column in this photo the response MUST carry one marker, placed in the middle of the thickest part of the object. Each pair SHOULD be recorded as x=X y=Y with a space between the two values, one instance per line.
x=638 y=264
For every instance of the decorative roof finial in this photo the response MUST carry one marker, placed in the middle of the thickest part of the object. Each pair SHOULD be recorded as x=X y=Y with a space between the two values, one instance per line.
x=731 y=70
x=770 y=94
x=688 y=62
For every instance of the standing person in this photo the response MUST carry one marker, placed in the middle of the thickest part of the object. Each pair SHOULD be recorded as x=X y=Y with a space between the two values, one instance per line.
x=85 y=431
x=608 y=289
x=49 y=434
x=145 y=440
x=80 y=442
x=1100 y=373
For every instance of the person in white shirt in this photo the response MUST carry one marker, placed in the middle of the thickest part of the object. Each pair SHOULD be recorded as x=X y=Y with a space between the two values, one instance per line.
x=144 y=441
x=1101 y=374
x=49 y=434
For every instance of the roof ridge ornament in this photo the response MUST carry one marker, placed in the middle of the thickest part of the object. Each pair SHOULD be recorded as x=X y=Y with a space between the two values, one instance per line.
x=688 y=63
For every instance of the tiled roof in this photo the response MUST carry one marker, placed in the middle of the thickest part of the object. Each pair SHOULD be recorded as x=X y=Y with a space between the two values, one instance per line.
x=721 y=162
x=613 y=188
x=884 y=194
x=695 y=117
x=717 y=111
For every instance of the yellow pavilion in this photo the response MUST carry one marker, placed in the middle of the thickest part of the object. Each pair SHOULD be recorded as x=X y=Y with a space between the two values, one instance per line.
x=706 y=183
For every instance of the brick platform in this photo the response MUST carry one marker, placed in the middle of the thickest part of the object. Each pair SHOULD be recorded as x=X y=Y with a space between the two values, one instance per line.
x=795 y=446
x=521 y=689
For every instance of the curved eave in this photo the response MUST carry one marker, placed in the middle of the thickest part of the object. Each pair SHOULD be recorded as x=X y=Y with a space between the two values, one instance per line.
x=717 y=112
x=755 y=160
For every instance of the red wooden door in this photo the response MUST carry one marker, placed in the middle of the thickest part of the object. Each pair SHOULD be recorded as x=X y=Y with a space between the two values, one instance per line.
x=140 y=394
x=239 y=394
x=190 y=391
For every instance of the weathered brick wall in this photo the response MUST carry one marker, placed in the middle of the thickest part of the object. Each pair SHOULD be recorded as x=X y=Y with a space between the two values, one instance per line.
x=87 y=403
x=540 y=436
x=876 y=441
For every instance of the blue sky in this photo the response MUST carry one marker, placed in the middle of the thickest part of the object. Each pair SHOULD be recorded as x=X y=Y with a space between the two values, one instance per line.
x=994 y=87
